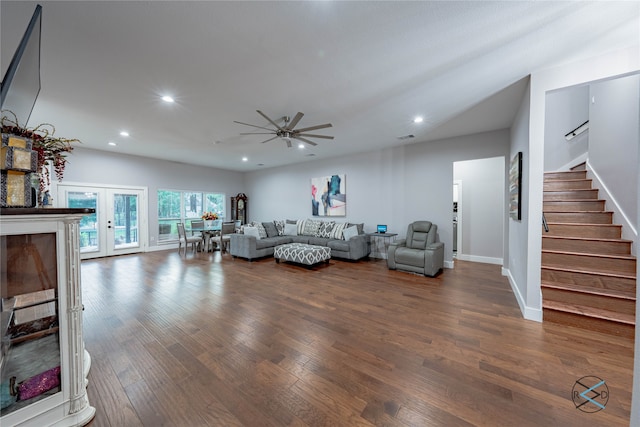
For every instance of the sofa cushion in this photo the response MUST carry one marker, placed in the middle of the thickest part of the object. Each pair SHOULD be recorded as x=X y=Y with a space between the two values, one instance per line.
x=270 y=229
x=338 y=228
x=279 y=226
x=311 y=227
x=272 y=242
x=338 y=245
x=261 y=230
x=318 y=241
x=359 y=226
x=252 y=231
x=290 y=230
x=350 y=232
x=325 y=229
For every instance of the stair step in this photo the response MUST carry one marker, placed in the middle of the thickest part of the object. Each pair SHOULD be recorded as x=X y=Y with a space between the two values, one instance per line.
x=613 y=264
x=581 y=217
x=625 y=293
x=584 y=245
x=568 y=294
x=581 y=174
x=591 y=194
x=568 y=184
x=572 y=205
x=594 y=320
x=603 y=282
x=594 y=231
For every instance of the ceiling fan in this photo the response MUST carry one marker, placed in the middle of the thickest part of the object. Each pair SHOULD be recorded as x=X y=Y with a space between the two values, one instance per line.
x=288 y=131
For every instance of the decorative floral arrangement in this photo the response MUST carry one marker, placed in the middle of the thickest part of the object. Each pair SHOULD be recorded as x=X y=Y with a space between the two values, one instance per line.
x=208 y=216
x=51 y=149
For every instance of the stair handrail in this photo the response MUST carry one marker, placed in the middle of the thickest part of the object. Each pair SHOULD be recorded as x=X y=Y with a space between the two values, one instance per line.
x=577 y=131
x=544 y=223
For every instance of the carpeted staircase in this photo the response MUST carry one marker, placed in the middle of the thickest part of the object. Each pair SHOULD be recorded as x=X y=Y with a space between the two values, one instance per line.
x=588 y=272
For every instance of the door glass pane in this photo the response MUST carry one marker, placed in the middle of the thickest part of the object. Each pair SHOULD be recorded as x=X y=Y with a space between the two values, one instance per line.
x=125 y=210
x=89 y=235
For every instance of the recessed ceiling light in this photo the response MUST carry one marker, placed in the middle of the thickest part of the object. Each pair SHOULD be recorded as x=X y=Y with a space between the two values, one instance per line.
x=418 y=120
x=113 y=144
x=245 y=159
x=124 y=133
x=167 y=98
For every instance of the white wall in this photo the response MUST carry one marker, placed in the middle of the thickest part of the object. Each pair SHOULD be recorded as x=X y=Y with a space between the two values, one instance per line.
x=518 y=251
x=102 y=167
x=617 y=63
x=613 y=148
x=482 y=209
x=565 y=110
x=392 y=186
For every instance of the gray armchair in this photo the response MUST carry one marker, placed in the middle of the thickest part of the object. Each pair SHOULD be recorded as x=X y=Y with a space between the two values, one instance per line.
x=419 y=252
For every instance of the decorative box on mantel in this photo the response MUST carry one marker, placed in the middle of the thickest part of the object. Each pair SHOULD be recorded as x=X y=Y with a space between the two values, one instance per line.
x=43 y=362
x=17 y=162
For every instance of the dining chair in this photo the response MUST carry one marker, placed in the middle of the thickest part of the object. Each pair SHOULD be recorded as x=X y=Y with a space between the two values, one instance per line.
x=223 y=239
x=198 y=225
x=195 y=241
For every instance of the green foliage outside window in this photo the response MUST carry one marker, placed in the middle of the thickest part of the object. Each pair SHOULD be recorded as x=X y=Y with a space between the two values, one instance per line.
x=183 y=206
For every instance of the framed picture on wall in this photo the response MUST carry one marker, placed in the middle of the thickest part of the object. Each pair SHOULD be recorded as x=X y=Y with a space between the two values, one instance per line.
x=515 y=187
x=329 y=196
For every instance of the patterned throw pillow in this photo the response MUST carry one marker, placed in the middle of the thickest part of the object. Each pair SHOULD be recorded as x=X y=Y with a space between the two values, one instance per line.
x=252 y=231
x=338 y=228
x=261 y=230
x=311 y=227
x=325 y=229
x=280 y=227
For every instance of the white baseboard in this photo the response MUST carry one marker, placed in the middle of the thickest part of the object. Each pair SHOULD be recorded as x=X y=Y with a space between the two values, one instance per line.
x=528 y=313
x=483 y=259
x=169 y=246
x=448 y=264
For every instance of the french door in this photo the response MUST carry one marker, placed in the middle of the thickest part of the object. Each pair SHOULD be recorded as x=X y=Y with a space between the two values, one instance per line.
x=119 y=224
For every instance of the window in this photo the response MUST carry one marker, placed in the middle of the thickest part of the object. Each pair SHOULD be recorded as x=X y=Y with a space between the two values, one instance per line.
x=183 y=206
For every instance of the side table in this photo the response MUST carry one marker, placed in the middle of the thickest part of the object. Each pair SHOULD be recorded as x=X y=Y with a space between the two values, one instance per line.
x=386 y=239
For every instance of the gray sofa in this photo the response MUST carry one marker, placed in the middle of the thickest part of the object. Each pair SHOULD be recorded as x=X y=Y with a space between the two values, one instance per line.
x=250 y=247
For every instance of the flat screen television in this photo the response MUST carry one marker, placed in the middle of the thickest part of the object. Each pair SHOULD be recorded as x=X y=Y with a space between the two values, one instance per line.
x=21 y=83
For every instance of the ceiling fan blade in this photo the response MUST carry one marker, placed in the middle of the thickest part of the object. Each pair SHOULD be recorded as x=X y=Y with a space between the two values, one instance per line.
x=327 y=125
x=295 y=121
x=268 y=119
x=257 y=133
x=305 y=140
x=247 y=124
x=311 y=135
x=270 y=139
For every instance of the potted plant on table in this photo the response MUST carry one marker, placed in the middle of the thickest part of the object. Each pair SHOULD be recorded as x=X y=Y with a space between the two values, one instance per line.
x=209 y=216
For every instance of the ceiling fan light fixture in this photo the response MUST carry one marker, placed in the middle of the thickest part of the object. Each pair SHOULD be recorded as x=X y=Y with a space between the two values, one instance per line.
x=288 y=132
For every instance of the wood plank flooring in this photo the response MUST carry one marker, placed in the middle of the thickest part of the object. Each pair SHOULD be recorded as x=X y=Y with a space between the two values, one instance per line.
x=207 y=340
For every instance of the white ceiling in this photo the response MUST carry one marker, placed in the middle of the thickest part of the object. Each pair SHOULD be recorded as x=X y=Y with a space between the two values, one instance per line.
x=366 y=67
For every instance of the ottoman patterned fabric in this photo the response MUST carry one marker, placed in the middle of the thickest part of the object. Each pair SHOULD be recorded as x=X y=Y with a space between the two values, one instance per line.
x=302 y=253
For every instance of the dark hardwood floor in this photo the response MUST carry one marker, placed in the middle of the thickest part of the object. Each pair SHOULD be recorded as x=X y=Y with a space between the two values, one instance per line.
x=207 y=340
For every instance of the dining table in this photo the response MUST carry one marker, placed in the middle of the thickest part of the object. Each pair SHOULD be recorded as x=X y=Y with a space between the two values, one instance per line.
x=207 y=231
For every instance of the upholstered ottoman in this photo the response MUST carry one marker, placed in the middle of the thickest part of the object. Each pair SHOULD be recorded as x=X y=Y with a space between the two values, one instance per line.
x=302 y=253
